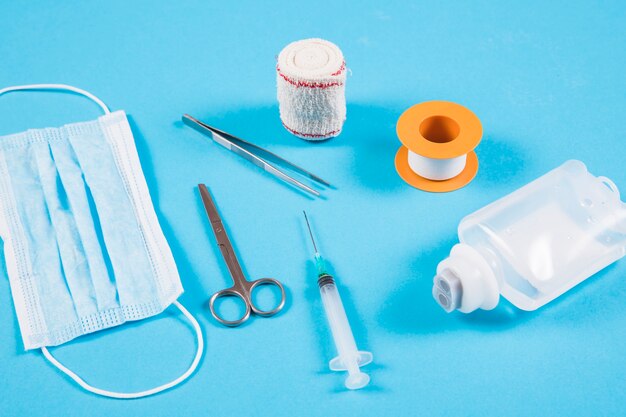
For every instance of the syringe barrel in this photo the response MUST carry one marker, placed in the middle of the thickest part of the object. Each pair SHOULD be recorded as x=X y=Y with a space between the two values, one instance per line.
x=338 y=321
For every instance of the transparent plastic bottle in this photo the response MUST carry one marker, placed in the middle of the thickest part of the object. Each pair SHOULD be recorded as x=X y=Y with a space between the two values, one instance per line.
x=534 y=244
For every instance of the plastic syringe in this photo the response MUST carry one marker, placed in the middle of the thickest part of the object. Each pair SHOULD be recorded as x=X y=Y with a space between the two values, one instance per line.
x=348 y=357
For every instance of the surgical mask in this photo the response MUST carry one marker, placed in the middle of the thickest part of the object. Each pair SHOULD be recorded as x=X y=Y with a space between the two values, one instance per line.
x=82 y=243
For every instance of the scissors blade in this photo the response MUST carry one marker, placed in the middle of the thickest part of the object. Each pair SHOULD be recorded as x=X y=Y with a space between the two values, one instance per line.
x=236 y=145
x=220 y=235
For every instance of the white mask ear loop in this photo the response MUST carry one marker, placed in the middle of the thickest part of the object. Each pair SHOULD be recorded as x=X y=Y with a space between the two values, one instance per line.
x=57 y=87
x=122 y=395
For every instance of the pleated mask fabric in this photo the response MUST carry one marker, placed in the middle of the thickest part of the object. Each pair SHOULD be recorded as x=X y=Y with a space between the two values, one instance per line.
x=83 y=245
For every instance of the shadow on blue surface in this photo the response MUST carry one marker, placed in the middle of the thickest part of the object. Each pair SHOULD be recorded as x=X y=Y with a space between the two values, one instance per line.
x=225 y=280
x=193 y=288
x=372 y=127
x=585 y=300
x=411 y=308
x=501 y=161
x=326 y=345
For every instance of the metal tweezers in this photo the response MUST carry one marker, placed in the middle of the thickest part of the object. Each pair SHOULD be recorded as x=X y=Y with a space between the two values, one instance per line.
x=255 y=154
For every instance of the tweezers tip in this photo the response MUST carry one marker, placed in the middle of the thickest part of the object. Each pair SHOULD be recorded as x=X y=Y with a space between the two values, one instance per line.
x=321 y=181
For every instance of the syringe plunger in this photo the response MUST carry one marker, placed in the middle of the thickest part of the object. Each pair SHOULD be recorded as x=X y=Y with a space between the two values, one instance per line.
x=348 y=357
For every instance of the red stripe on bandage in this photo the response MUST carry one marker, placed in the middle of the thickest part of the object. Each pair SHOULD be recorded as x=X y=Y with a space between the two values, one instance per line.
x=307 y=84
x=340 y=70
x=311 y=135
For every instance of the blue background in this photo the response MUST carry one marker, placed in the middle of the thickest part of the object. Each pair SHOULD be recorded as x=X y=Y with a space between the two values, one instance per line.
x=547 y=81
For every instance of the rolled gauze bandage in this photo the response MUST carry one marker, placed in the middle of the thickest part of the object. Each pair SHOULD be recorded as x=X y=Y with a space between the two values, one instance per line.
x=311 y=78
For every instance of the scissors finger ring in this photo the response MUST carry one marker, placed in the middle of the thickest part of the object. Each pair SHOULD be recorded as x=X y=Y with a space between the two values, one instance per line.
x=272 y=282
x=229 y=293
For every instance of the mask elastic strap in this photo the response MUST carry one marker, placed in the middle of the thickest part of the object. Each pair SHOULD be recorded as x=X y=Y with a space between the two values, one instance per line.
x=146 y=393
x=57 y=87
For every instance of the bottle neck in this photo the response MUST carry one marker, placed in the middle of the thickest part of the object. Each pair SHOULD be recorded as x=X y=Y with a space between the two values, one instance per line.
x=465 y=281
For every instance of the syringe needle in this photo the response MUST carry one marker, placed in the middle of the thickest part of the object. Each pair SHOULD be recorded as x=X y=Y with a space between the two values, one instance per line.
x=310 y=232
x=319 y=261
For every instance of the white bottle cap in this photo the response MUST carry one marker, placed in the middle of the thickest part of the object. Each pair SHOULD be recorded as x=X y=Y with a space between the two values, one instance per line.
x=465 y=281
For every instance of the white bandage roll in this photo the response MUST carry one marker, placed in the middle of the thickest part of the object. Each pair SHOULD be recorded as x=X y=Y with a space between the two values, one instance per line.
x=436 y=169
x=311 y=83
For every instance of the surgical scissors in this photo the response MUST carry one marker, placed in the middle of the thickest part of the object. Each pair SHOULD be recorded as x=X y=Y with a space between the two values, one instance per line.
x=242 y=288
x=255 y=154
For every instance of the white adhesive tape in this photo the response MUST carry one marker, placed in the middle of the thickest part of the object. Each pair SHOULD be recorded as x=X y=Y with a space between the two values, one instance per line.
x=311 y=79
x=436 y=169
x=438 y=140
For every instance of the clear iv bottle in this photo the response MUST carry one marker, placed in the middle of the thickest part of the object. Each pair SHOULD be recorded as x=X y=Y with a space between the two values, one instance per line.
x=534 y=244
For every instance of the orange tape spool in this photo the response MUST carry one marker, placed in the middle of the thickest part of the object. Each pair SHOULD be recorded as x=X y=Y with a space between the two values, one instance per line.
x=439 y=138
